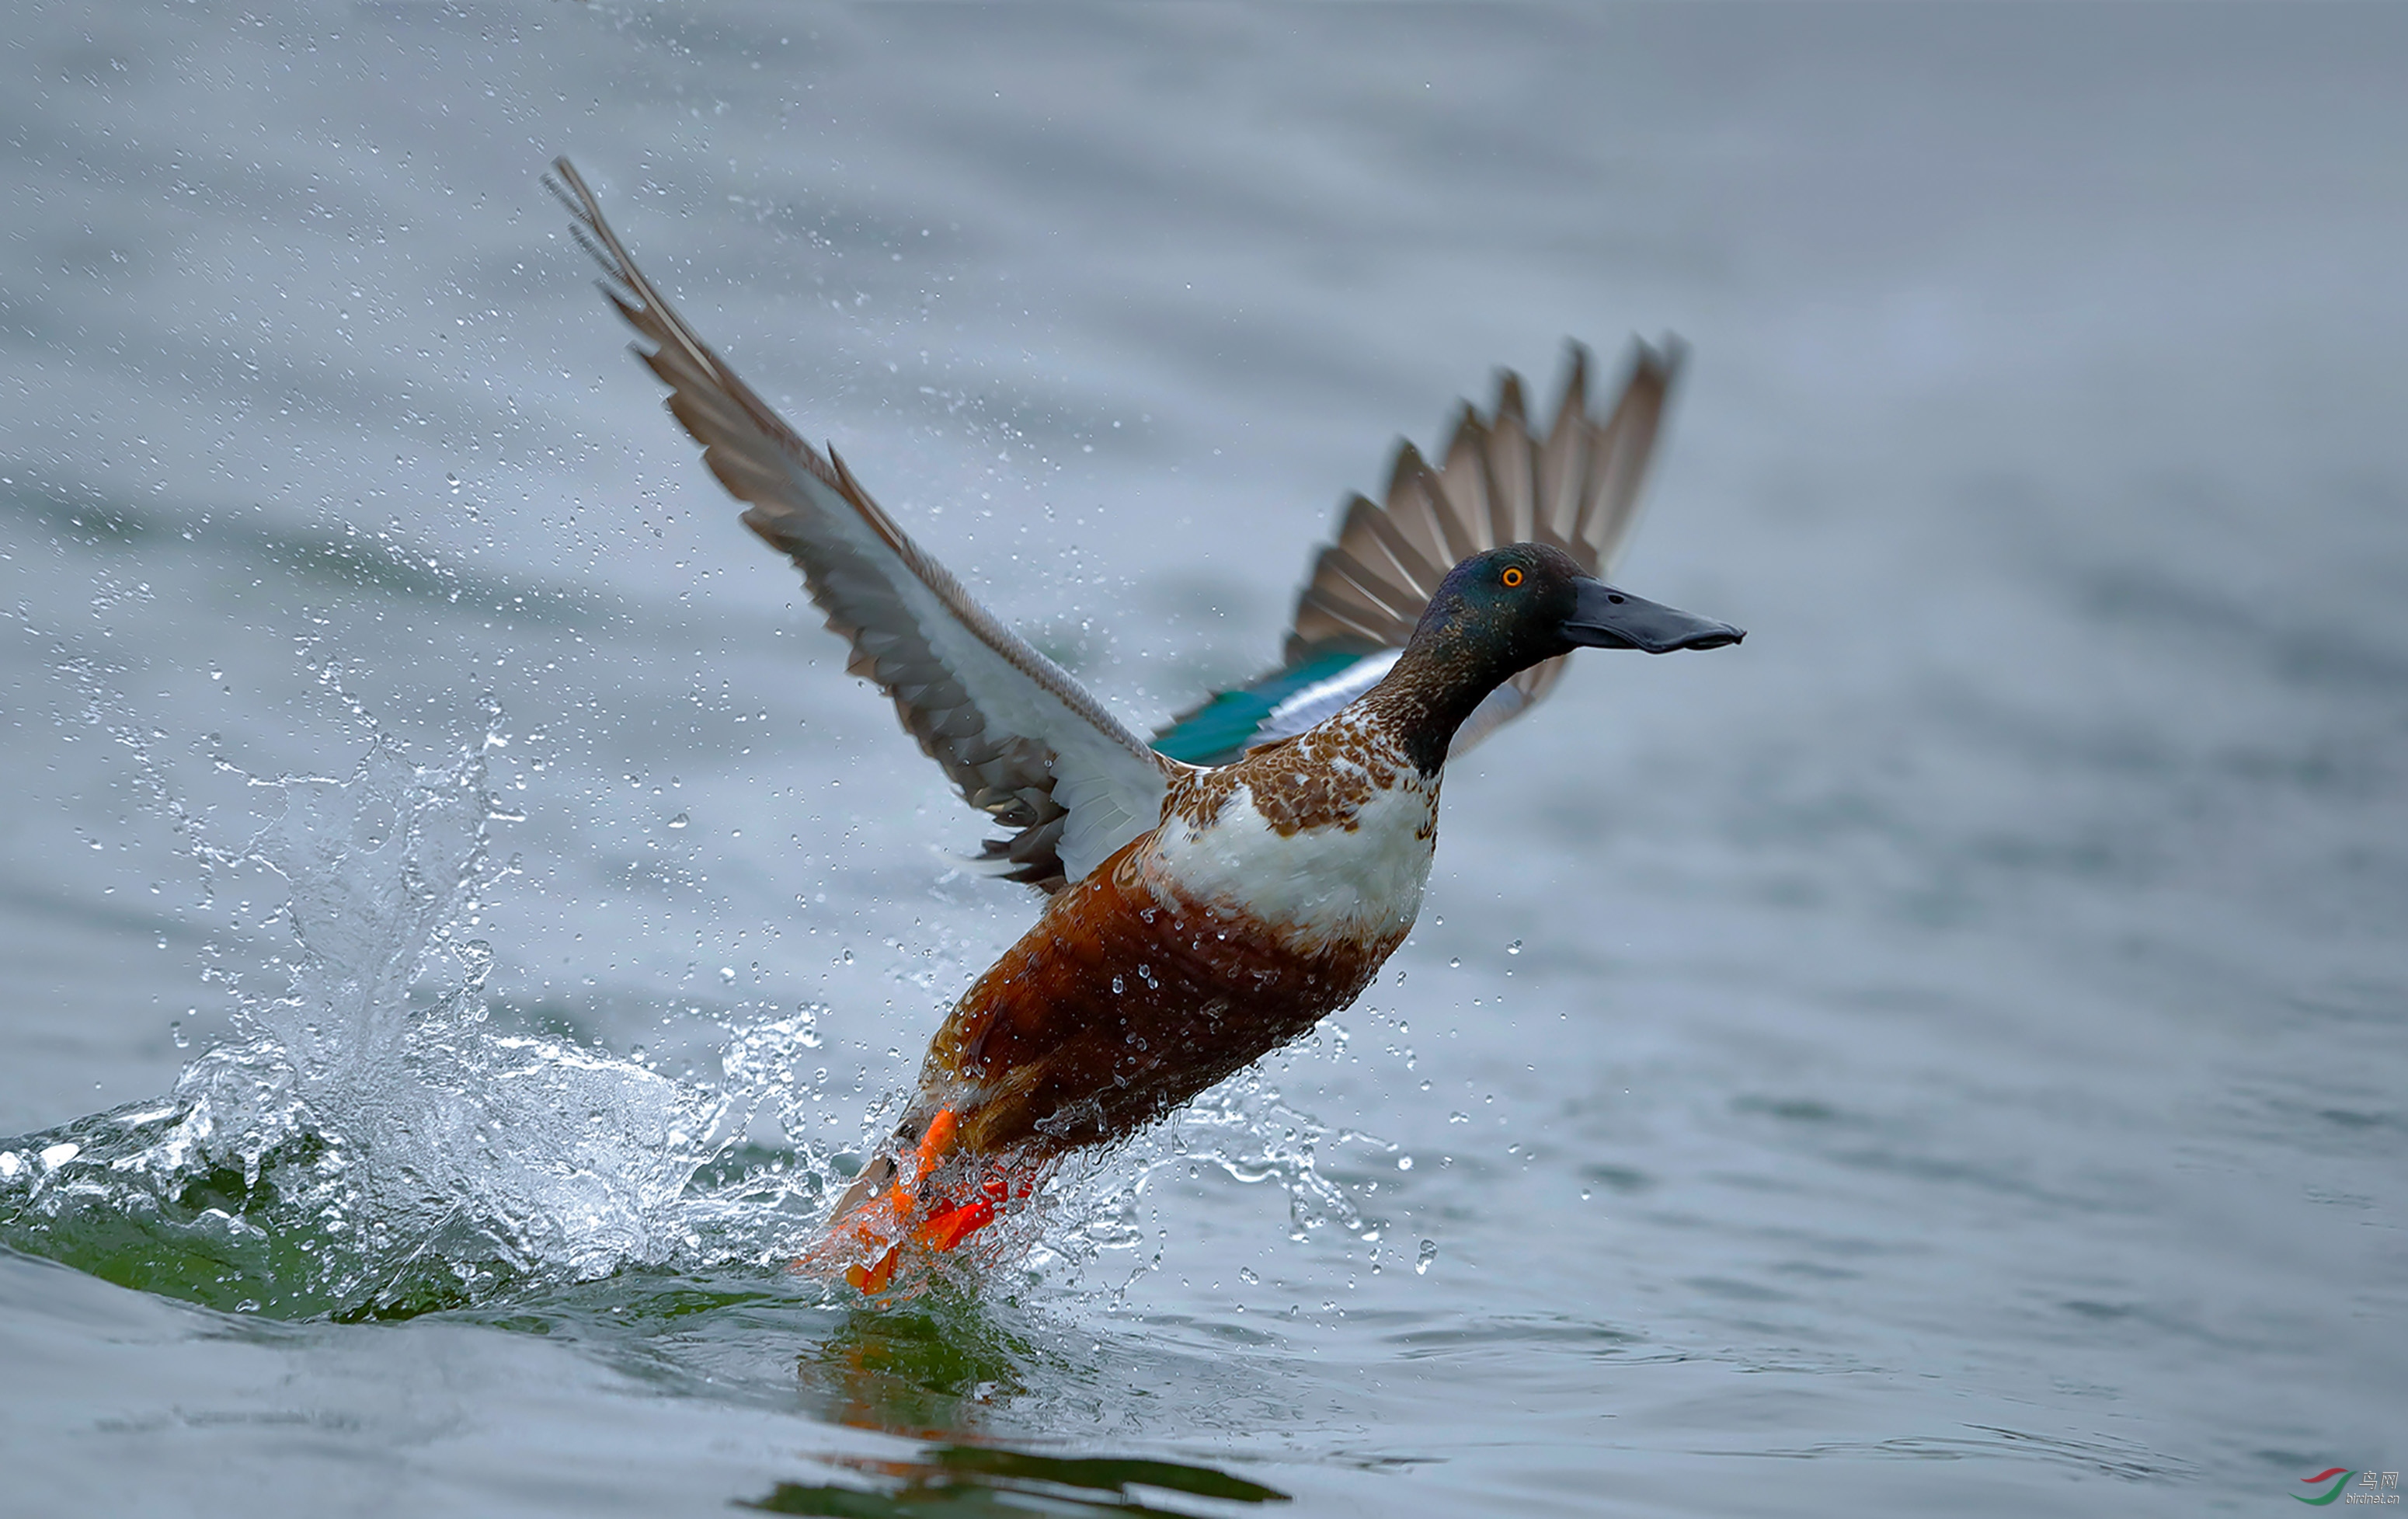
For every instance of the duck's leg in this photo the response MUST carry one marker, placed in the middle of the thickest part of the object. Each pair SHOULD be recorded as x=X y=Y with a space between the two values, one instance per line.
x=883 y=1206
x=949 y=1223
x=894 y=1203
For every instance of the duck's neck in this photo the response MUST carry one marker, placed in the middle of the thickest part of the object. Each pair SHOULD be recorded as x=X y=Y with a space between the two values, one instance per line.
x=1427 y=693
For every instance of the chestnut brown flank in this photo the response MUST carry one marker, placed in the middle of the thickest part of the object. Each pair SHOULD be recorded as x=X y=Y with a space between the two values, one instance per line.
x=1114 y=1008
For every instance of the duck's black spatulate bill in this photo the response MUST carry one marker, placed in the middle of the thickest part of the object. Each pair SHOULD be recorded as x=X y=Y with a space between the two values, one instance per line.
x=1607 y=617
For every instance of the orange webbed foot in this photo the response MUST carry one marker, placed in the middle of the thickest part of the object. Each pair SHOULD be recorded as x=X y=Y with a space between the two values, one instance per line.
x=873 y=1279
x=902 y=1214
x=908 y=1217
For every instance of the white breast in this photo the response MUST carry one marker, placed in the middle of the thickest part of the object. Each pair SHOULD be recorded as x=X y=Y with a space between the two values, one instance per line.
x=1312 y=887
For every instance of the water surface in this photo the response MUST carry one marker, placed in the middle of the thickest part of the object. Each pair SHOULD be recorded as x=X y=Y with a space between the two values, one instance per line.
x=1947 y=1053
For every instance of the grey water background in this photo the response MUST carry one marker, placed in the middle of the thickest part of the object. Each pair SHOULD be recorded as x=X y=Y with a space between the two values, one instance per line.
x=1948 y=1052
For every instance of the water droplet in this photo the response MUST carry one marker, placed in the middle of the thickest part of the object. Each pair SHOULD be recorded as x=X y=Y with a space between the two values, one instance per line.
x=727 y=974
x=679 y=821
x=1422 y=1258
x=1455 y=962
x=477 y=958
x=1246 y=1275
x=1404 y=1163
x=1514 y=948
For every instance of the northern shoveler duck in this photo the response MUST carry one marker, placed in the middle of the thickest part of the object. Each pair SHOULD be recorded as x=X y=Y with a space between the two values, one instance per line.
x=1216 y=892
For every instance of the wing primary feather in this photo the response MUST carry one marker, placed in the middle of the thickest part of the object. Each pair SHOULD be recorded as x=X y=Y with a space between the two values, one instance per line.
x=1622 y=450
x=1461 y=485
x=1398 y=601
x=1561 y=489
x=1413 y=485
x=1340 y=596
x=1511 y=461
x=1369 y=531
x=1420 y=568
x=1323 y=620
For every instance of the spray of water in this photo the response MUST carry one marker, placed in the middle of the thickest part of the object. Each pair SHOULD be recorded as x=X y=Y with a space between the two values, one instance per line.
x=370 y=1144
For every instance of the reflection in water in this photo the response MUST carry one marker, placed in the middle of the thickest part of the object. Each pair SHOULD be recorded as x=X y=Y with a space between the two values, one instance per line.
x=962 y=1480
x=937 y=1370
x=928 y=1368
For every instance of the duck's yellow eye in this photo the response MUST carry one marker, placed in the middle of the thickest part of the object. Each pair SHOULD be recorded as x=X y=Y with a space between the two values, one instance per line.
x=1511 y=578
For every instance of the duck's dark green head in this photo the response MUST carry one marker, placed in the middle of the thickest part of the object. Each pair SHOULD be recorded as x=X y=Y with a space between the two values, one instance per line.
x=1498 y=613
x=1510 y=608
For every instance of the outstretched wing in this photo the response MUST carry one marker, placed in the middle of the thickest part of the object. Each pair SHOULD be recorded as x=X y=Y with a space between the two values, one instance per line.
x=1578 y=487
x=1025 y=742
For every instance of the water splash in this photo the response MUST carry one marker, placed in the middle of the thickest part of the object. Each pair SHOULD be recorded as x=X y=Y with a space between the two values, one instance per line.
x=370 y=1145
x=362 y=1147
x=1103 y=1204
